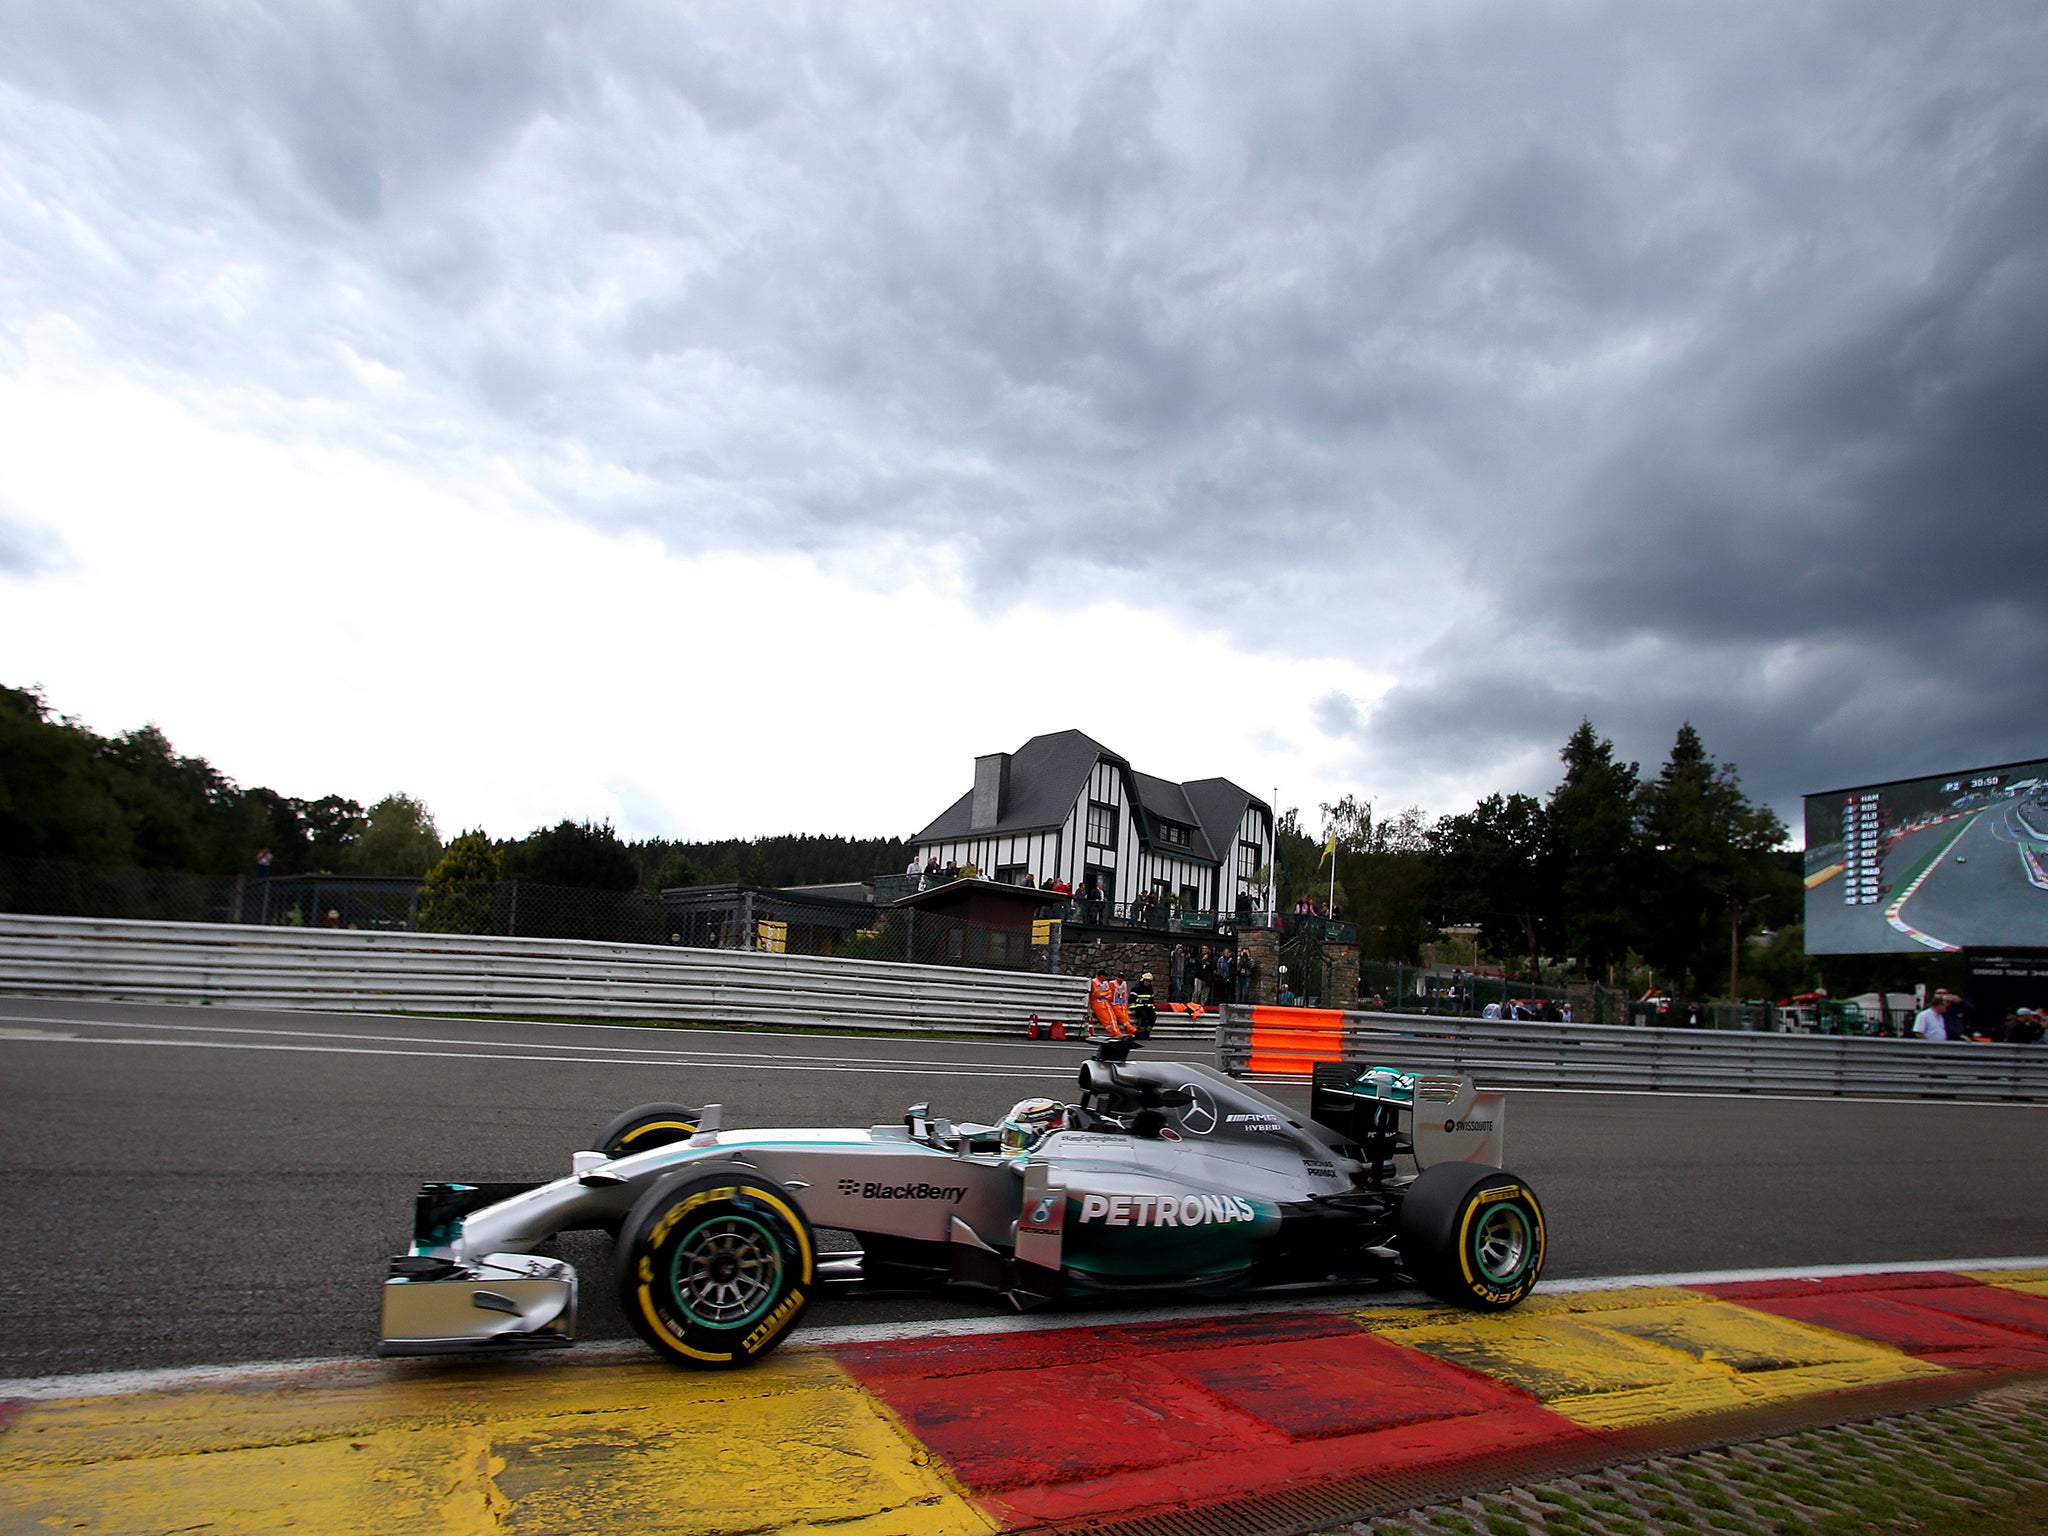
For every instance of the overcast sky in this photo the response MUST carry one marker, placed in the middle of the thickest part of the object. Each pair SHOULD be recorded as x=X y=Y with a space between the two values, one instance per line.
x=730 y=420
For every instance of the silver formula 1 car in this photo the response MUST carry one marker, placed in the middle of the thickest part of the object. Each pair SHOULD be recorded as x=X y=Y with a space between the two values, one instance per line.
x=1163 y=1177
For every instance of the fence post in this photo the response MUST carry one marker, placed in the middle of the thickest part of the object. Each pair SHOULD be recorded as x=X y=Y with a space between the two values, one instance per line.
x=512 y=923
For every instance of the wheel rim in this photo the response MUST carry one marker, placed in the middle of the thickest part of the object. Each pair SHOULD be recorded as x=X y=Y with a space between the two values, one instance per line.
x=727 y=1272
x=1502 y=1244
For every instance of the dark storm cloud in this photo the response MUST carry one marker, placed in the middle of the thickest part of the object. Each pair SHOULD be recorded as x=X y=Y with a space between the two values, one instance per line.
x=1554 y=361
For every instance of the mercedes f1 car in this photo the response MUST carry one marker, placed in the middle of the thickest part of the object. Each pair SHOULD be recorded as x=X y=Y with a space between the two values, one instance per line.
x=1161 y=1178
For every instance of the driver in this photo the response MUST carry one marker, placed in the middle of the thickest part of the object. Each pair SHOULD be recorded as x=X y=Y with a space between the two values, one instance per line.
x=1028 y=1123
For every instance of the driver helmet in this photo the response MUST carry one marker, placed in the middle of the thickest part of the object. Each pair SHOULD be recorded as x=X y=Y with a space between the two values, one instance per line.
x=1028 y=1122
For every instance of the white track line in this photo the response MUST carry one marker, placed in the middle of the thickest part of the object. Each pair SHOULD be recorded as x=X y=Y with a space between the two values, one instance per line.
x=684 y=1028
x=935 y=1069
x=286 y=1373
x=681 y=1053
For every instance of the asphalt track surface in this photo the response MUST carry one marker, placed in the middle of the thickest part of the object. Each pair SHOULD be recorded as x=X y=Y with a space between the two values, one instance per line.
x=1977 y=893
x=197 y=1186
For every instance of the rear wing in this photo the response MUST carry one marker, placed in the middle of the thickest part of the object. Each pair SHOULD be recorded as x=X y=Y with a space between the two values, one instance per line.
x=1449 y=1120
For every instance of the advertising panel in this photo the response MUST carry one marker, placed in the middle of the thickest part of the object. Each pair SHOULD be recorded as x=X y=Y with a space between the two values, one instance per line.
x=1956 y=861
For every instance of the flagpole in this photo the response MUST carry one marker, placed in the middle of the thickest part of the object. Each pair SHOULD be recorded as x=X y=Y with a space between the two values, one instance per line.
x=1273 y=860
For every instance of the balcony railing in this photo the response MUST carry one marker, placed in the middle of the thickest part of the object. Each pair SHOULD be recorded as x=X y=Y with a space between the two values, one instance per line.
x=1151 y=916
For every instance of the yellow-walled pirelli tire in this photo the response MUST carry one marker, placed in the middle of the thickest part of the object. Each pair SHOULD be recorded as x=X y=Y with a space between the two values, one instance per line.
x=1472 y=1235
x=651 y=1125
x=715 y=1267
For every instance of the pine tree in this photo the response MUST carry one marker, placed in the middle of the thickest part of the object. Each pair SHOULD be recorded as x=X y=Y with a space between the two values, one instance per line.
x=1598 y=852
x=1709 y=858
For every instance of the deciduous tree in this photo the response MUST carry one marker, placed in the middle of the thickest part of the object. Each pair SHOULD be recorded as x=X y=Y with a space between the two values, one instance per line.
x=1495 y=863
x=399 y=839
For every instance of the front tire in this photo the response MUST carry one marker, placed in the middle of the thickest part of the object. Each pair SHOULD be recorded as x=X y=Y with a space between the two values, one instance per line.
x=650 y=1125
x=1472 y=1235
x=715 y=1267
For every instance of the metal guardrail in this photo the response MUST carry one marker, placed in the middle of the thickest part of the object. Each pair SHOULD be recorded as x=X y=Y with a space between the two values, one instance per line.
x=1621 y=1056
x=126 y=960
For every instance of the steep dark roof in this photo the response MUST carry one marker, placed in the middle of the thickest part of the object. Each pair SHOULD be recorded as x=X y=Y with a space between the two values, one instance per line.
x=1219 y=806
x=1047 y=775
x=1164 y=799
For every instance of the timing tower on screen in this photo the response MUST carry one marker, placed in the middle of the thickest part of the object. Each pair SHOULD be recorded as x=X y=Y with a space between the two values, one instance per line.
x=1958 y=861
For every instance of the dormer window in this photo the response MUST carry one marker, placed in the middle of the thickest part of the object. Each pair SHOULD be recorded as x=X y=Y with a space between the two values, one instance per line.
x=1173 y=836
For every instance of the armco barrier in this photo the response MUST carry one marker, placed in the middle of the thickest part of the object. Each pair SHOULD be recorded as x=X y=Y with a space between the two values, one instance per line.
x=112 y=959
x=1509 y=1054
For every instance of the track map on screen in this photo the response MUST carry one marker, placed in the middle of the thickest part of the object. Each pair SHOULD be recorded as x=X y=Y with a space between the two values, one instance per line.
x=1951 y=862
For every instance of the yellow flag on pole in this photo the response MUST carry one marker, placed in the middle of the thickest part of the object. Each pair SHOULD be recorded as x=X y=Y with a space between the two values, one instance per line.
x=1329 y=851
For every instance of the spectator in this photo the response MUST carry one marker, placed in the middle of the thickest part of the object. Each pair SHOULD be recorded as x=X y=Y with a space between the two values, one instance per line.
x=951 y=871
x=1176 y=973
x=1244 y=908
x=1960 y=1016
x=970 y=871
x=1223 y=993
x=2027 y=1027
x=1490 y=1011
x=1245 y=969
x=263 y=864
x=1205 y=975
x=931 y=872
x=1931 y=1023
x=1028 y=883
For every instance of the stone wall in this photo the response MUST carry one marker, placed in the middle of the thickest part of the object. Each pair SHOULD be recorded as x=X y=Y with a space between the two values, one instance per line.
x=1083 y=951
x=1264 y=945
x=1112 y=951
x=1342 y=960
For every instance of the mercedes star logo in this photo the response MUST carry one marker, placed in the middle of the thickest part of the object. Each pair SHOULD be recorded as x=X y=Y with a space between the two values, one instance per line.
x=1197 y=1118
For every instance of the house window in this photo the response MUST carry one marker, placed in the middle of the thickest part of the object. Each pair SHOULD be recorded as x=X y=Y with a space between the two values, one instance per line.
x=1172 y=835
x=1247 y=861
x=1011 y=874
x=1101 y=825
x=1191 y=898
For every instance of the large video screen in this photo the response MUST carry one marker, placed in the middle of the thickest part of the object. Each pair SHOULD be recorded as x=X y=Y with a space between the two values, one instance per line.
x=1959 y=861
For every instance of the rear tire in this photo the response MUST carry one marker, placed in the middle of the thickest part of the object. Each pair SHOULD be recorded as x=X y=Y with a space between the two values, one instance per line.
x=715 y=1267
x=651 y=1125
x=1472 y=1235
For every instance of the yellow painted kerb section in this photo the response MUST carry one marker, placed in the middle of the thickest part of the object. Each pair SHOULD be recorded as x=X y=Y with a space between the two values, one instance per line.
x=792 y=1446
x=1614 y=1359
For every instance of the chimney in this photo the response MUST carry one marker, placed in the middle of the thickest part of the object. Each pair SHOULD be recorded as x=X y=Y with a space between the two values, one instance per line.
x=991 y=791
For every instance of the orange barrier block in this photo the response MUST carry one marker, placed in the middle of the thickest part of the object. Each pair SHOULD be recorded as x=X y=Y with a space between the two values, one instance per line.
x=1295 y=1039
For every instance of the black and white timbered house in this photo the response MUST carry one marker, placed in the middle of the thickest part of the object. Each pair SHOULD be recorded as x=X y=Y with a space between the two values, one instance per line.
x=1065 y=807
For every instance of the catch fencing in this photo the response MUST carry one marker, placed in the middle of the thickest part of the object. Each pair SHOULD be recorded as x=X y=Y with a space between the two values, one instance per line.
x=322 y=969
x=1290 y=1041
